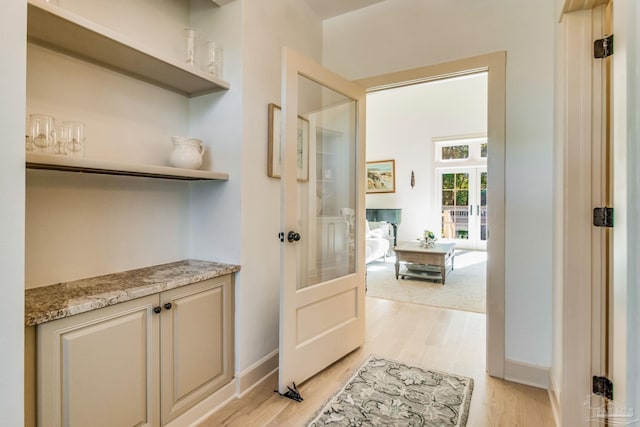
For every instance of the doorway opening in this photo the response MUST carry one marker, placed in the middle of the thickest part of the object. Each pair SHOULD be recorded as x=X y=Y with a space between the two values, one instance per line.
x=448 y=195
x=493 y=66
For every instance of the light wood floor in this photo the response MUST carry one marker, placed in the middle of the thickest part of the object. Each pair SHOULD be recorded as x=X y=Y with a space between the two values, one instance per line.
x=430 y=337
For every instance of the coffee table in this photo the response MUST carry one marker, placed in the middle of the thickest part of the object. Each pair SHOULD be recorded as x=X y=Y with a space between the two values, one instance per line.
x=425 y=263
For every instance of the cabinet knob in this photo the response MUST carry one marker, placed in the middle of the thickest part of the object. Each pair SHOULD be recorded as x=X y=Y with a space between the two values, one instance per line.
x=168 y=306
x=157 y=310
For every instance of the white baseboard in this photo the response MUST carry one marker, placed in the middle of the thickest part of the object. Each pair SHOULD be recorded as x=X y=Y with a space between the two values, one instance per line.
x=243 y=383
x=205 y=408
x=554 y=399
x=254 y=374
x=526 y=373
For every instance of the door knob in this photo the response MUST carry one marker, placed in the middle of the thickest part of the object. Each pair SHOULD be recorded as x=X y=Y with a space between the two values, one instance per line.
x=292 y=236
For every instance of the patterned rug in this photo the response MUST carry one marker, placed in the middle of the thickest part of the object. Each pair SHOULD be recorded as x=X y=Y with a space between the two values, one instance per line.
x=387 y=393
x=464 y=289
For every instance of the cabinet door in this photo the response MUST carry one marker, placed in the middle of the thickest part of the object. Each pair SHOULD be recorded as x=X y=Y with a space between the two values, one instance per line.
x=100 y=368
x=196 y=343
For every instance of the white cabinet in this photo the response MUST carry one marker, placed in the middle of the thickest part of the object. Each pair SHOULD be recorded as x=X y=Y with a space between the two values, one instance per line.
x=140 y=363
x=196 y=344
x=100 y=368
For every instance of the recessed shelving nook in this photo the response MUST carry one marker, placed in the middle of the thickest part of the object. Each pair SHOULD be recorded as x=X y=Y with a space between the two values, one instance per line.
x=73 y=35
x=120 y=68
x=63 y=31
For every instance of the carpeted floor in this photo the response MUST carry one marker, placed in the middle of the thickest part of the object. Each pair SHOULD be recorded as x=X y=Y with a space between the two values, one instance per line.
x=388 y=393
x=465 y=287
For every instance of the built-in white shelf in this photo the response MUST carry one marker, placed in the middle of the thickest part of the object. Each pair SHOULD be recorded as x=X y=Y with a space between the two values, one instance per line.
x=81 y=164
x=57 y=29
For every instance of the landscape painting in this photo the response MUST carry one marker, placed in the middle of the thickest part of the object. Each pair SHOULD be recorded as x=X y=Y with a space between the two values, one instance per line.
x=381 y=176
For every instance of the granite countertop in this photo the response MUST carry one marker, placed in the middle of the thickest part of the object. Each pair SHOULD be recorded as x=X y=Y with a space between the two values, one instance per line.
x=52 y=302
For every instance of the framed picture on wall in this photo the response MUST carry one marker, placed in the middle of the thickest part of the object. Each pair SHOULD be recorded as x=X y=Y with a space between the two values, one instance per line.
x=274 y=161
x=381 y=176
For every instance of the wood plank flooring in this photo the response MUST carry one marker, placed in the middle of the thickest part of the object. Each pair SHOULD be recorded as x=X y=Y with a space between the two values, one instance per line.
x=430 y=337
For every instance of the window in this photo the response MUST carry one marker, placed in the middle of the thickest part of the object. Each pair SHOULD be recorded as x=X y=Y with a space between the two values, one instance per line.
x=461 y=149
x=455 y=152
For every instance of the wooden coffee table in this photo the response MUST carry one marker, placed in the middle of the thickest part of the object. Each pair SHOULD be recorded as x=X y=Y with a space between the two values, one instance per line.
x=425 y=263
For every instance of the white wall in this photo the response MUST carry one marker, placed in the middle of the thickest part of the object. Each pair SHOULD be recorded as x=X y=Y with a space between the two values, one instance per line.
x=626 y=196
x=253 y=33
x=12 y=105
x=398 y=35
x=401 y=124
x=267 y=27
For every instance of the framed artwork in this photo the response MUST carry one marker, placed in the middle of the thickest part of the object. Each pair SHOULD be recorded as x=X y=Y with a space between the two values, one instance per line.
x=381 y=176
x=274 y=161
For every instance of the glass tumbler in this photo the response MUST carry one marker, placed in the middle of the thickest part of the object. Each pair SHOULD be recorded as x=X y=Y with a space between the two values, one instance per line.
x=212 y=58
x=61 y=140
x=42 y=132
x=75 y=139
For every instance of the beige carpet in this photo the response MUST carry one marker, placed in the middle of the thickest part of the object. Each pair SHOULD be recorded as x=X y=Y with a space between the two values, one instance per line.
x=464 y=289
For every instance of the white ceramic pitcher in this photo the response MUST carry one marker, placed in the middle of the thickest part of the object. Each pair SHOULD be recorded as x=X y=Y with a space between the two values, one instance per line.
x=187 y=152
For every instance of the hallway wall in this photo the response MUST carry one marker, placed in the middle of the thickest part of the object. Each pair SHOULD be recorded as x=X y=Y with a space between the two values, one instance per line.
x=399 y=35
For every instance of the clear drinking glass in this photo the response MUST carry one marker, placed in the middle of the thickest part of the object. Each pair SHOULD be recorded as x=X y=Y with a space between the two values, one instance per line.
x=75 y=139
x=191 y=35
x=211 y=54
x=61 y=140
x=42 y=132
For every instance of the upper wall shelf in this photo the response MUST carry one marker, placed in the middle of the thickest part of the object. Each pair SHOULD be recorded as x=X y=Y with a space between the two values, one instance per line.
x=80 y=164
x=68 y=33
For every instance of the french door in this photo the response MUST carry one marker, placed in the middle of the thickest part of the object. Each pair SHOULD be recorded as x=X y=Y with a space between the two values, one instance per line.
x=322 y=219
x=463 y=206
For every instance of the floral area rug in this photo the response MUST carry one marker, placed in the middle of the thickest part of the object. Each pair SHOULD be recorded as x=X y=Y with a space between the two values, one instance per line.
x=387 y=393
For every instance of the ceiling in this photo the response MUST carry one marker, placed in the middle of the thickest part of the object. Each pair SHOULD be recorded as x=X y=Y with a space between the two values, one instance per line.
x=330 y=8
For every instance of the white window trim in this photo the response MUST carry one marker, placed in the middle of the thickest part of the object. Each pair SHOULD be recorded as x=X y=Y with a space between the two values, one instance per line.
x=473 y=141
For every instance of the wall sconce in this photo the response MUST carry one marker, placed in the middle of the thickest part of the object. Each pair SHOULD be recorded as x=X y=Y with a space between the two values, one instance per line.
x=413 y=180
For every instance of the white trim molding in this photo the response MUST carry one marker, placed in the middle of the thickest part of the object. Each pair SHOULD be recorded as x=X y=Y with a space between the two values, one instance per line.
x=554 y=398
x=208 y=406
x=256 y=373
x=495 y=65
x=526 y=373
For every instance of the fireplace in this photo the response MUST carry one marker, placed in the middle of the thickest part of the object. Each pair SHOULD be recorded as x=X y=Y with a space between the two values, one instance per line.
x=392 y=216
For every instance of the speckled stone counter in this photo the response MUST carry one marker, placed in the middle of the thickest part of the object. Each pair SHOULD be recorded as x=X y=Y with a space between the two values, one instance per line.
x=65 y=299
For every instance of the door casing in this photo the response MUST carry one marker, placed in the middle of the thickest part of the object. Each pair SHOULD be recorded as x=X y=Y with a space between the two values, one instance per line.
x=495 y=65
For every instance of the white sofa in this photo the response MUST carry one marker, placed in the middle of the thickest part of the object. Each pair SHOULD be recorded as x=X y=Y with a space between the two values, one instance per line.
x=378 y=237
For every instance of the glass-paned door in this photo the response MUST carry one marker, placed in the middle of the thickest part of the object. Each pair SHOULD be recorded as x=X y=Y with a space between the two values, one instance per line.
x=463 y=206
x=322 y=254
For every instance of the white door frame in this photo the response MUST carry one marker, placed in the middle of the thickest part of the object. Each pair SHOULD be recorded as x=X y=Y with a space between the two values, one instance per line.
x=580 y=275
x=495 y=65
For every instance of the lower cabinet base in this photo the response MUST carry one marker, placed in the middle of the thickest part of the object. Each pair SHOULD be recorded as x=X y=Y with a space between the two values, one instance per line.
x=203 y=409
x=165 y=359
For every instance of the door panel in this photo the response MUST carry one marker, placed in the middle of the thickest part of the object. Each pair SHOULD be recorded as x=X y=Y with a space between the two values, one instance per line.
x=195 y=343
x=100 y=368
x=322 y=271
